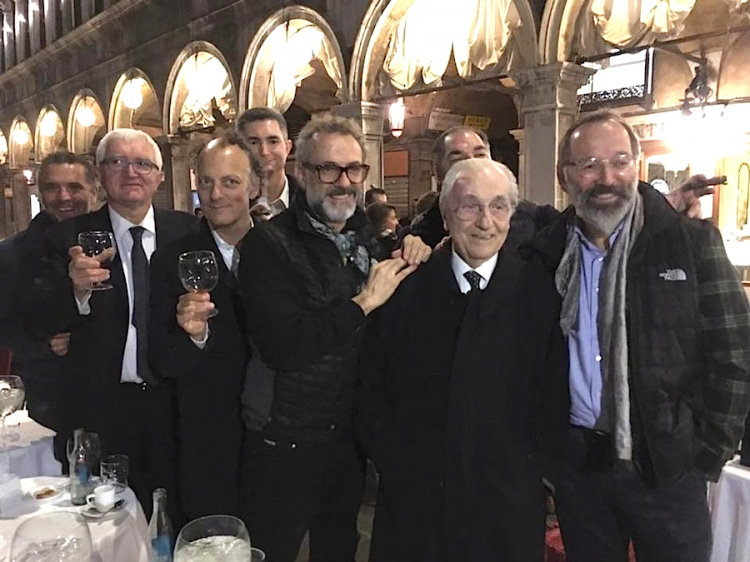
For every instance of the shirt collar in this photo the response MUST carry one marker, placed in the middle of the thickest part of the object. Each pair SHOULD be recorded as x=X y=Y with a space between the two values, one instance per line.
x=611 y=240
x=121 y=225
x=284 y=197
x=220 y=242
x=460 y=267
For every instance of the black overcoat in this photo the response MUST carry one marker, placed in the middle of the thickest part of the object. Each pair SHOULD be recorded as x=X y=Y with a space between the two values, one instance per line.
x=462 y=401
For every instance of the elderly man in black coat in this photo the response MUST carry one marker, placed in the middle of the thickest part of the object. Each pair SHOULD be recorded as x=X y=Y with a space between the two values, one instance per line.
x=464 y=389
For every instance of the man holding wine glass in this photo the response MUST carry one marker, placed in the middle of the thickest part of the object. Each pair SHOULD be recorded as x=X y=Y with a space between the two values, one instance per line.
x=108 y=386
x=206 y=359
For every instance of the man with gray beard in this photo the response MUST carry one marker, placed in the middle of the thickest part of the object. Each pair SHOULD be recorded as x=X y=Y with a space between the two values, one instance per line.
x=308 y=282
x=658 y=332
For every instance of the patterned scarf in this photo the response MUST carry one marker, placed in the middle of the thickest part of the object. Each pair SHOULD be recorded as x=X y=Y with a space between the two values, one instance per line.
x=346 y=243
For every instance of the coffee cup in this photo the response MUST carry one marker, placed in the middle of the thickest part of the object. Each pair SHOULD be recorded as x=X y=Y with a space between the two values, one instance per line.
x=103 y=498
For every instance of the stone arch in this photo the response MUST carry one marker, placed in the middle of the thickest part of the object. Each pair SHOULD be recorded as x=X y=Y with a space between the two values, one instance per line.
x=50 y=134
x=257 y=69
x=381 y=21
x=86 y=123
x=178 y=90
x=3 y=149
x=135 y=104
x=557 y=31
x=21 y=143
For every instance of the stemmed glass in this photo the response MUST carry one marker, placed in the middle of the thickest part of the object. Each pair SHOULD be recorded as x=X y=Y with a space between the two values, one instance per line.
x=215 y=537
x=60 y=535
x=94 y=242
x=199 y=271
x=12 y=394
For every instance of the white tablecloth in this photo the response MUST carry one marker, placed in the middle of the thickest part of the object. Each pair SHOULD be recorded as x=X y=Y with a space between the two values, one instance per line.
x=730 y=514
x=118 y=537
x=32 y=454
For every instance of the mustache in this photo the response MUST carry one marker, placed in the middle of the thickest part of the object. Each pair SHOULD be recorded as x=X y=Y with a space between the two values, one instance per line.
x=601 y=189
x=336 y=191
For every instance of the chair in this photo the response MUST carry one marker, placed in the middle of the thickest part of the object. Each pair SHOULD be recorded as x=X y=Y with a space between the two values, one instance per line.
x=6 y=359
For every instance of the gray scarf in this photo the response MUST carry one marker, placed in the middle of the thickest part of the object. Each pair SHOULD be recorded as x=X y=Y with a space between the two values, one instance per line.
x=611 y=325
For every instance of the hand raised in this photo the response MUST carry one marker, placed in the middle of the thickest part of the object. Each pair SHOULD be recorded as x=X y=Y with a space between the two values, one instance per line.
x=193 y=310
x=84 y=270
x=384 y=278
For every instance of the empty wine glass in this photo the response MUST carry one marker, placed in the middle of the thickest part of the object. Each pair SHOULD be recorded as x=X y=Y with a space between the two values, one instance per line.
x=52 y=537
x=12 y=394
x=215 y=538
x=93 y=446
x=199 y=272
x=94 y=242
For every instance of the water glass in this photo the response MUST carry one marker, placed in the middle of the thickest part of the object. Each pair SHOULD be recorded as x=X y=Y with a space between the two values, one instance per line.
x=215 y=538
x=60 y=536
x=115 y=470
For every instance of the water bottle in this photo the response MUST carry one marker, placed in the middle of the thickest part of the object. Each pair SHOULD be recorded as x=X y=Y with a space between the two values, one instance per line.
x=79 y=469
x=160 y=529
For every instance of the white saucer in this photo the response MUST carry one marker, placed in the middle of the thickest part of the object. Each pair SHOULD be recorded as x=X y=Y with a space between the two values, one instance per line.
x=93 y=513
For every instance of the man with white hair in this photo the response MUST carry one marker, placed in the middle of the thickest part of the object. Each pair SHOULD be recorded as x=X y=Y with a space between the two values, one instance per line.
x=464 y=389
x=108 y=385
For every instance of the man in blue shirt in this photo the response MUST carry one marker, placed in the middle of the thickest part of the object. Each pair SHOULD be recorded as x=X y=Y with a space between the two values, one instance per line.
x=658 y=331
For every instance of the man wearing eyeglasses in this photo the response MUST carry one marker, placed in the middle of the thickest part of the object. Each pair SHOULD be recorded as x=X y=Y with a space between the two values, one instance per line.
x=108 y=385
x=658 y=331
x=308 y=280
x=463 y=392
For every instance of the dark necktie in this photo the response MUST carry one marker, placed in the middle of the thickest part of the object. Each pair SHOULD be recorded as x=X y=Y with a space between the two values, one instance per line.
x=139 y=262
x=473 y=278
x=236 y=262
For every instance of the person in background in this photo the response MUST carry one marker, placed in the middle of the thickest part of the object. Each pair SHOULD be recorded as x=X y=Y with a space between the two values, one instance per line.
x=375 y=195
x=206 y=357
x=68 y=188
x=384 y=223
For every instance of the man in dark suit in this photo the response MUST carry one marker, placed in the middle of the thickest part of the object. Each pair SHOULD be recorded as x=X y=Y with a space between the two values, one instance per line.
x=206 y=359
x=68 y=188
x=108 y=385
x=463 y=392
x=265 y=133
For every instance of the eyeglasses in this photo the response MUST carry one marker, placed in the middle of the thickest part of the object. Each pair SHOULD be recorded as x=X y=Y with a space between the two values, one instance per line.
x=141 y=167
x=593 y=167
x=330 y=173
x=473 y=210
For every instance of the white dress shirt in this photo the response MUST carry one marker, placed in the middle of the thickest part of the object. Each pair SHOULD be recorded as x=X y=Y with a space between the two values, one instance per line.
x=460 y=267
x=282 y=203
x=124 y=242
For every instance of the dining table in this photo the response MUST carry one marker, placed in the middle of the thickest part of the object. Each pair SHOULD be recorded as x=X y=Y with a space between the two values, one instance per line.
x=118 y=536
x=729 y=501
x=32 y=453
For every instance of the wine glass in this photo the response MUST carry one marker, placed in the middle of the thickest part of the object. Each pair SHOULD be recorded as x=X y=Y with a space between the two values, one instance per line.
x=199 y=271
x=215 y=537
x=12 y=394
x=93 y=446
x=94 y=242
x=60 y=535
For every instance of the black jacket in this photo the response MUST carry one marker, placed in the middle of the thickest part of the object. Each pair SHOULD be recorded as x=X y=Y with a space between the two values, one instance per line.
x=463 y=400
x=33 y=360
x=297 y=293
x=688 y=339
x=207 y=382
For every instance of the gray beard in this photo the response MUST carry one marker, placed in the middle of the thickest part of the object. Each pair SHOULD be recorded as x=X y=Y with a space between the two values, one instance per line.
x=604 y=220
x=328 y=213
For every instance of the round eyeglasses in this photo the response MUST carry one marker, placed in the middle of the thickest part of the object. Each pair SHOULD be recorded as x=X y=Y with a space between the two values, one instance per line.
x=594 y=167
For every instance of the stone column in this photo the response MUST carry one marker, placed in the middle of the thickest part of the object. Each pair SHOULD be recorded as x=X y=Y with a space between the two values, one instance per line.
x=9 y=39
x=50 y=22
x=520 y=136
x=176 y=152
x=22 y=30
x=548 y=108
x=21 y=200
x=369 y=116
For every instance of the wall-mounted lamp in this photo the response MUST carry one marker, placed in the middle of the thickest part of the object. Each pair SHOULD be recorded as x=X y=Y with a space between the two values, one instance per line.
x=21 y=136
x=28 y=174
x=48 y=126
x=131 y=95
x=85 y=117
x=396 y=116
